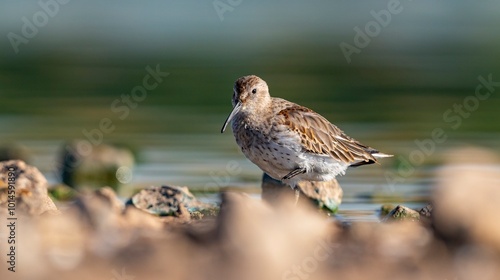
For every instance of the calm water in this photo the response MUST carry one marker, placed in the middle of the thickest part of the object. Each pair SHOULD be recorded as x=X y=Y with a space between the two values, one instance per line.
x=210 y=162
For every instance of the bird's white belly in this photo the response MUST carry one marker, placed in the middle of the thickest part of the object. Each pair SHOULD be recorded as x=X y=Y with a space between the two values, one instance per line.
x=278 y=160
x=320 y=168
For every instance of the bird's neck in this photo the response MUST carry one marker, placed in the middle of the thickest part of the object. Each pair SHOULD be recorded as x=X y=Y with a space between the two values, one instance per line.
x=257 y=114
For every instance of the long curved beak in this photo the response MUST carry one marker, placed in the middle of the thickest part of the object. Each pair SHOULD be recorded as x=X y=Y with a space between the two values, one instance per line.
x=235 y=111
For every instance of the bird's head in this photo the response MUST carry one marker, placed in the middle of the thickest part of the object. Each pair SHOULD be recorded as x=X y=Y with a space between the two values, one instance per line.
x=250 y=94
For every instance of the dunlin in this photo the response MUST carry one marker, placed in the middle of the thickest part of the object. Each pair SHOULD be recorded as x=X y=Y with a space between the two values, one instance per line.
x=290 y=142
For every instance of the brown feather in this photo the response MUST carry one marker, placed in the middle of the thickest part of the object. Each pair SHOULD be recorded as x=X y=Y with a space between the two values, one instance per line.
x=321 y=137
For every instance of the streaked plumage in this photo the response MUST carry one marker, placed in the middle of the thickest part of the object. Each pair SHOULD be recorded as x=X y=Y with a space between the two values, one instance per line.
x=288 y=141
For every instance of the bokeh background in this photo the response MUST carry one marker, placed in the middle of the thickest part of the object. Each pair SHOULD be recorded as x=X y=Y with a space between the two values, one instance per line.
x=427 y=58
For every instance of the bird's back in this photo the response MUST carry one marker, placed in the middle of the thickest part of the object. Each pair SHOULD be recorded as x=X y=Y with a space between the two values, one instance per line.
x=318 y=136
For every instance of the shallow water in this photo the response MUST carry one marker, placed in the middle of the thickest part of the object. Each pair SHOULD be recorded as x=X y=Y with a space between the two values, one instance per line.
x=208 y=163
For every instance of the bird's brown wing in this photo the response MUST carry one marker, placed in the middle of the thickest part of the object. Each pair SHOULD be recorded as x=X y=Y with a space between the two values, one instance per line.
x=320 y=137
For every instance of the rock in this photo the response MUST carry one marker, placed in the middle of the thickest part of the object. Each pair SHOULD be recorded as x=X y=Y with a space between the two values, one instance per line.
x=136 y=218
x=386 y=209
x=167 y=201
x=377 y=244
x=426 y=214
x=402 y=213
x=325 y=195
x=109 y=223
x=426 y=211
x=270 y=240
x=30 y=188
x=102 y=208
x=97 y=238
x=62 y=242
x=208 y=212
x=466 y=201
x=99 y=208
x=84 y=165
x=390 y=213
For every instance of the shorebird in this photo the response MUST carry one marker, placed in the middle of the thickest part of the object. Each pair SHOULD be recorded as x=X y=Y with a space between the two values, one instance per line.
x=290 y=142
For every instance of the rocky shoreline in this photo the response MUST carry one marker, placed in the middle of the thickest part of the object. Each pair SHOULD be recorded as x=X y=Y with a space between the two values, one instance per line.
x=164 y=232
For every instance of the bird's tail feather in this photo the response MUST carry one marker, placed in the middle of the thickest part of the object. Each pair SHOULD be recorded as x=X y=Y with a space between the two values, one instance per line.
x=381 y=155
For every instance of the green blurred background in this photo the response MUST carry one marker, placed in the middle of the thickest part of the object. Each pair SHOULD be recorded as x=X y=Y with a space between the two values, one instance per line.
x=396 y=90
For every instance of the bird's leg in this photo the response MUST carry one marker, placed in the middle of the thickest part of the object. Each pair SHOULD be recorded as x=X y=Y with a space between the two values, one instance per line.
x=297 y=194
x=294 y=173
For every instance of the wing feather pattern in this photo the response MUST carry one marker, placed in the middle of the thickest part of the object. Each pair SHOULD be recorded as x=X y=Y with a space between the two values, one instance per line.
x=320 y=137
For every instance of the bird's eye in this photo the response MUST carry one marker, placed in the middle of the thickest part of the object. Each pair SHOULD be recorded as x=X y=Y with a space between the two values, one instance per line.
x=254 y=90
